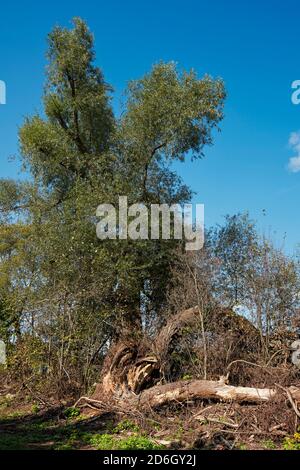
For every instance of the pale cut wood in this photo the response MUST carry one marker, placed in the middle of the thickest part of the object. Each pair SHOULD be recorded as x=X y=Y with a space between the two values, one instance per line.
x=202 y=389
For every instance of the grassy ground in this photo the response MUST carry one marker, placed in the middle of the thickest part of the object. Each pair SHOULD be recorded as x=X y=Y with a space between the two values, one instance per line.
x=26 y=426
x=60 y=428
x=50 y=434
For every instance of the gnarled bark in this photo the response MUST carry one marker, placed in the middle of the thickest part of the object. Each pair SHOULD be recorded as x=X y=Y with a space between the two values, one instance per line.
x=132 y=367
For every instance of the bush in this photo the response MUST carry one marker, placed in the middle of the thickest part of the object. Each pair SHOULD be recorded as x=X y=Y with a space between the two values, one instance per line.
x=137 y=443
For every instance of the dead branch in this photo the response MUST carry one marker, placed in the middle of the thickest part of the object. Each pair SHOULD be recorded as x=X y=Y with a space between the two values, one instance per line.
x=290 y=398
x=217 y=421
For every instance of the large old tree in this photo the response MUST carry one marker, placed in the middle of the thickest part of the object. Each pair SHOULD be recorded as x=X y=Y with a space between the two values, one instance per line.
x=81 y=296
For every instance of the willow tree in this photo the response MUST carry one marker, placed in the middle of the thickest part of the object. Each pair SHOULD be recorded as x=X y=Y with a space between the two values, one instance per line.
x=85 y=294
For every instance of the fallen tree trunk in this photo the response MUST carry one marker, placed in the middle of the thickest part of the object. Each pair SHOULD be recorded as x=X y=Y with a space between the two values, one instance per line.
x=179 y=392
x=192 y=390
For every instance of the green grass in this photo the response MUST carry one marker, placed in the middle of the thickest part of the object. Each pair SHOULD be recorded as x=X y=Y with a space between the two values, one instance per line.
x=24 y=439
x=118 y=440
x=112 y=442
x=269 y=444
x=12 y=442
x=126 y=425
x=36 y=432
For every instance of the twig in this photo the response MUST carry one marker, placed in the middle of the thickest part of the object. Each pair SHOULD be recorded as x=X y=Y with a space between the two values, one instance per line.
x=202 y=411
x=250 y=364
x=35 y=395
x=88 y=405
x=89 y=400
x=217 y=421
x=290 y=398
x=274 y=355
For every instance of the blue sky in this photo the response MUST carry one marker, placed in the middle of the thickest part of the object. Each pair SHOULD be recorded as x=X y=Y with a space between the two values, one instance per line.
x=252 y=45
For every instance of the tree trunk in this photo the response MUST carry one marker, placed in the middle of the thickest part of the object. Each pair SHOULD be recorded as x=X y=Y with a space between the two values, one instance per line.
x=132 y=367
x=179 y=392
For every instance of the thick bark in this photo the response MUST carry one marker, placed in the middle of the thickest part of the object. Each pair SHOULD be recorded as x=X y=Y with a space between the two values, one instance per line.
x=132 y=366
x=126 y=370
x=173 y=329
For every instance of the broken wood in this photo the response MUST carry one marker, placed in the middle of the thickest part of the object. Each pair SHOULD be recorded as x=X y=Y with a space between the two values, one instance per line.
x=179 y=392
x=133 y=372
x=183 y=391
x=289 y=392
x=131 y=368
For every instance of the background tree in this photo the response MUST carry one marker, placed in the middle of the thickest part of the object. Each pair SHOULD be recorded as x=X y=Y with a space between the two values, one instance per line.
x=234 y=244
x=256 y=277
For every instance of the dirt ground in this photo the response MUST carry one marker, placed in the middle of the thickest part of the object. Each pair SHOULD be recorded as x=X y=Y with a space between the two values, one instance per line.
x=202 y=425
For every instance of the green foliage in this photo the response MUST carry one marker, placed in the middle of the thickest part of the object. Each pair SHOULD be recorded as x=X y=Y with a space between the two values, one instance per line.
x=255 y=274
x=118 y=441
x=269 y=444
x=71 y=442
x=233 y=244
x=292 y=443
x=126 y=425
x=139 y=442
x=71 y=412
x=111 y=442
x=35 y=408
x=170 y=100
x=187 y=377
x=104 y=441
x=26 y=357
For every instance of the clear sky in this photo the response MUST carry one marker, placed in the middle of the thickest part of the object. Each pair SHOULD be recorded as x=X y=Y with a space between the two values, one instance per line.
x=253 y=45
